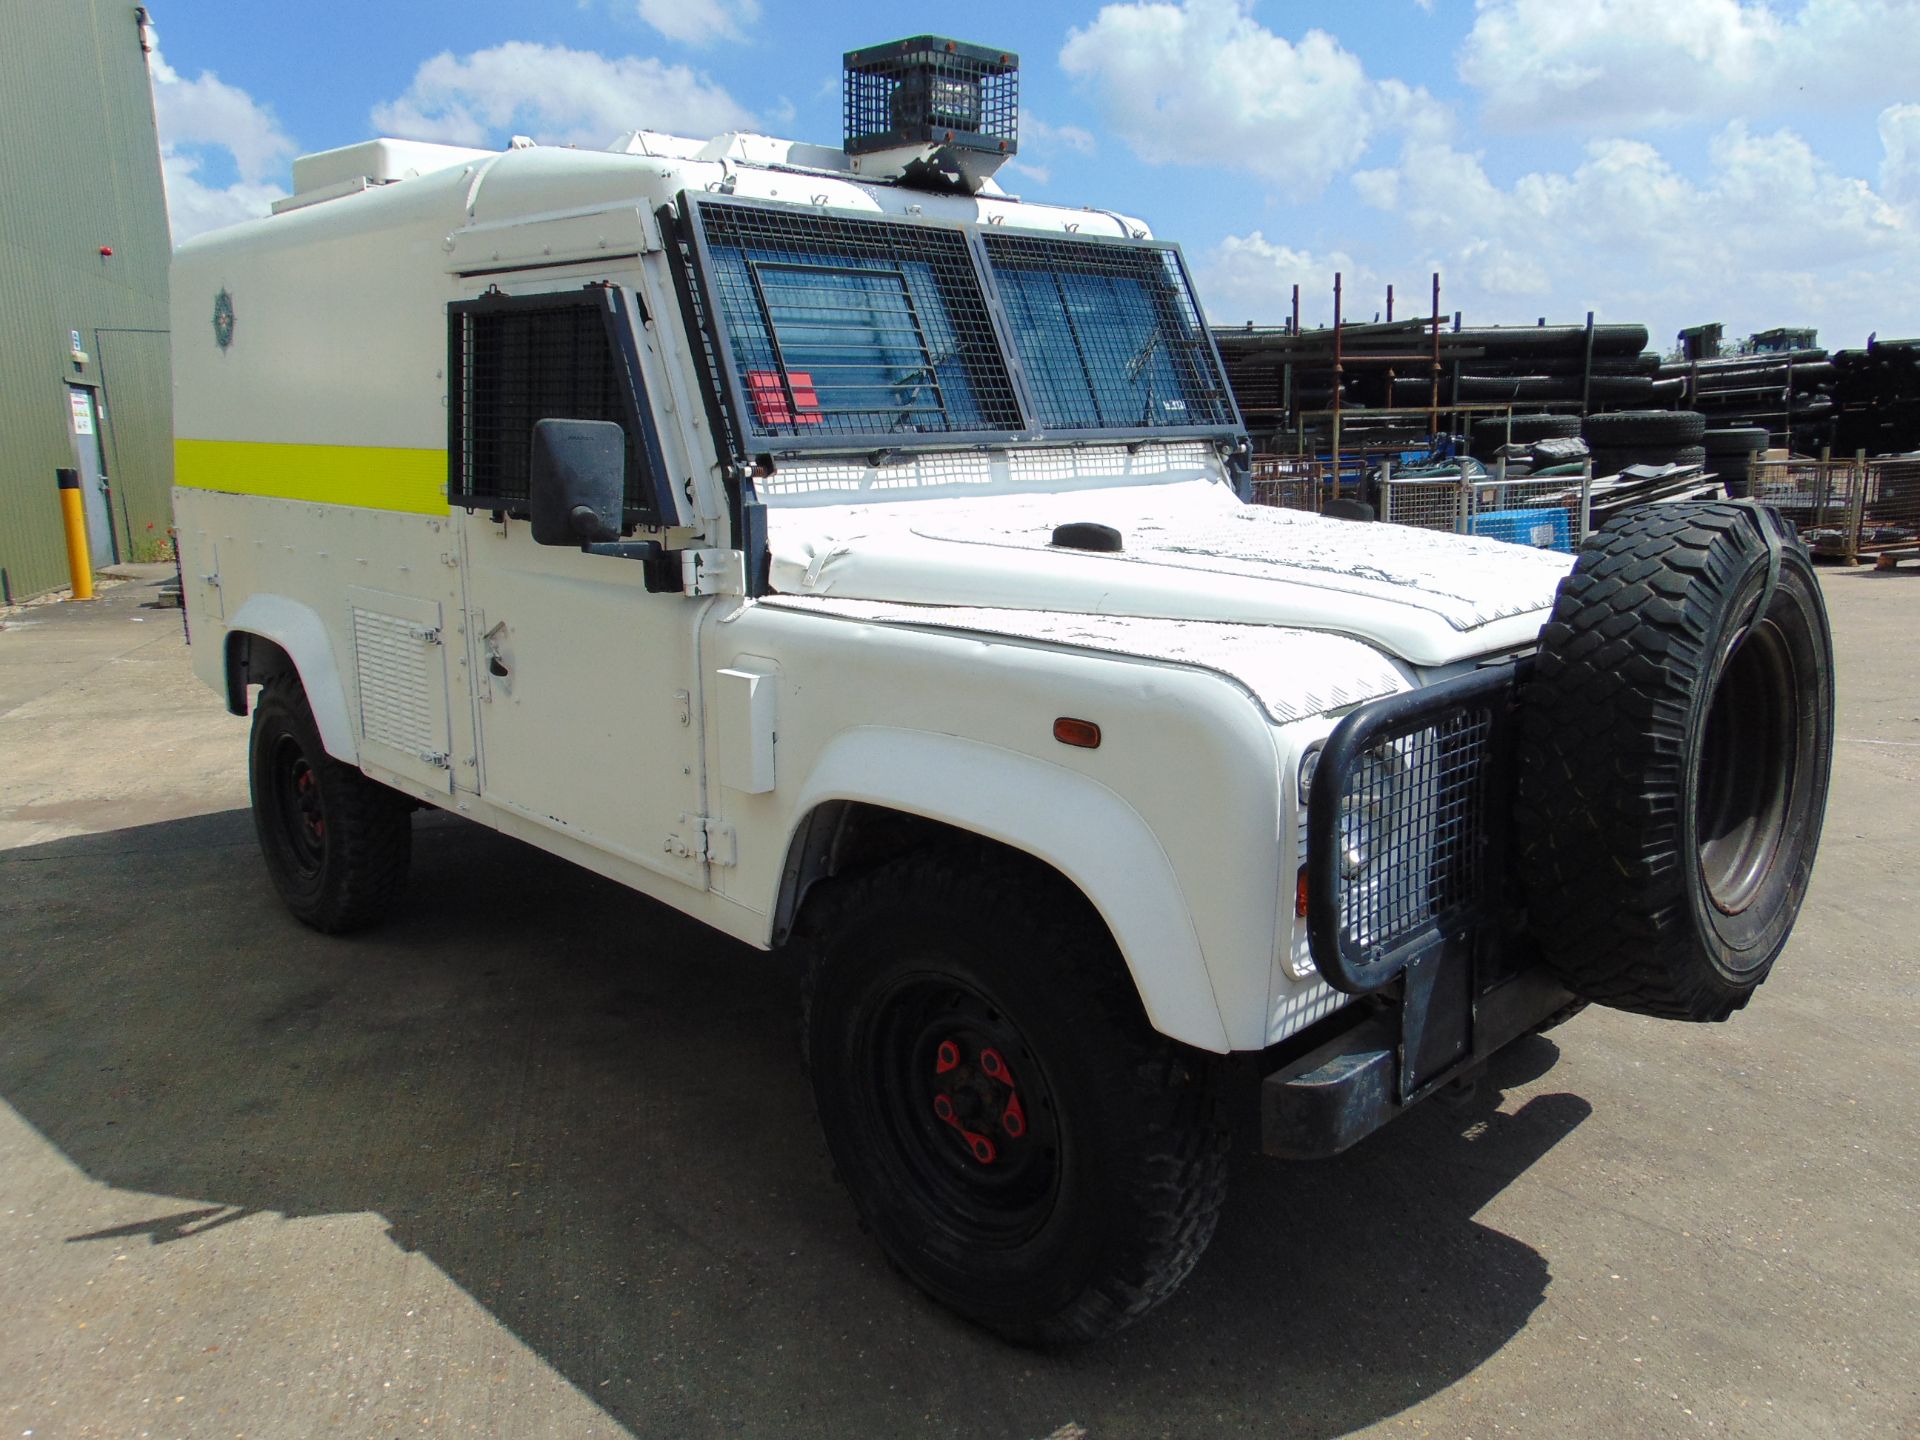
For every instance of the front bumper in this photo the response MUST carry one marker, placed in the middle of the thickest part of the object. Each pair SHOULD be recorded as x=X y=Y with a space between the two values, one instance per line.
x=1411 y=903
x=1337 y=1095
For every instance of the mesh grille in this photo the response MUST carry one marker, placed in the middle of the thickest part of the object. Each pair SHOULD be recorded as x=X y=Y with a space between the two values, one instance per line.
x=928 y=89
x=1412 y=820
x=851 y=326
x=1109 y=335
x=518 y=363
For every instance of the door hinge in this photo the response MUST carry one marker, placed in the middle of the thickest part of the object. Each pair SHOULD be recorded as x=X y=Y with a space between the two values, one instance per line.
x=439 y=759
x=699 y=837
x=425 y=634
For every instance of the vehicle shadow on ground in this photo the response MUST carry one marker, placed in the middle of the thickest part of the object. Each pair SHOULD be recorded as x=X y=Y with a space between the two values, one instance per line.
x=587 y=1111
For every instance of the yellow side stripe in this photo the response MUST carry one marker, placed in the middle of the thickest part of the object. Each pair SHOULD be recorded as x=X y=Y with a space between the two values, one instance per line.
x=370 y=476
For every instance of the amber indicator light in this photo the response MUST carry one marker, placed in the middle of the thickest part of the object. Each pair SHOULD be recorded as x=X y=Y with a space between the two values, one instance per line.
x=1300 y=894
x=1083 y=733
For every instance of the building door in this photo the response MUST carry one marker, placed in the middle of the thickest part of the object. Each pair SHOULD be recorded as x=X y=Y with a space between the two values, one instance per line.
x=83 y=417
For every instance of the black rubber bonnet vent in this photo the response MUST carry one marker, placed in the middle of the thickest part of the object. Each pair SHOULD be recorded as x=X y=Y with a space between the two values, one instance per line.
x=1085 y=535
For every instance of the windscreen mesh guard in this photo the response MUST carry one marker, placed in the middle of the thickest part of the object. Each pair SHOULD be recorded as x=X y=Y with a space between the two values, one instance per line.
x=515 y=360
x=846 y=326
x=1406 y=820
x=1108 y=335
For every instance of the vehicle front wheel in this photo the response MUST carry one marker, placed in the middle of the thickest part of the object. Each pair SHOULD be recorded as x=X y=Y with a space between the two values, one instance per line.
x=337 y=844
x=1022 y=1144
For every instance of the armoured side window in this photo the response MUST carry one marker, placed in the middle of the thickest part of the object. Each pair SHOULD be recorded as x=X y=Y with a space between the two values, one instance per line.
x=513 y=360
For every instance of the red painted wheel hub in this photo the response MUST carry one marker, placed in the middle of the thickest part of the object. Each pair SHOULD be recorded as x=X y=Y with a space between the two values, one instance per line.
x=979 y=1093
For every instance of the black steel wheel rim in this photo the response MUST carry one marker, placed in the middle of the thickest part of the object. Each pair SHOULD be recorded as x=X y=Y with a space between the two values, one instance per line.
x=967 y=1121
x=299 y=806
x=1748 y=764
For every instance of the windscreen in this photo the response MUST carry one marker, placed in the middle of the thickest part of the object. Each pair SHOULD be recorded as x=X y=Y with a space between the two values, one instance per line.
x=841 y=326
x=1108 y=335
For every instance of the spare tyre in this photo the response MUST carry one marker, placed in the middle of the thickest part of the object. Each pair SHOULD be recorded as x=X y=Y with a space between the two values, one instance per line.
x=1676 y=741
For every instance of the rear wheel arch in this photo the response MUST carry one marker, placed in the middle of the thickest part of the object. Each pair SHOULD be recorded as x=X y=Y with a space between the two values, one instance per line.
x=270 y=636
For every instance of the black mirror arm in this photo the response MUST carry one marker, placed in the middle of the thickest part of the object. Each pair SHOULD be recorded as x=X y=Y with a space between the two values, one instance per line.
x=662 y=565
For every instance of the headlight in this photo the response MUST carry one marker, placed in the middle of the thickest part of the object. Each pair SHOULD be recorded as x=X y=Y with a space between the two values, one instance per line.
x=1384 y=846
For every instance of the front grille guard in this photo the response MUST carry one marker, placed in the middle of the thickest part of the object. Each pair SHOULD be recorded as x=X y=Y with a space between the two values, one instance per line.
x=1407 y=823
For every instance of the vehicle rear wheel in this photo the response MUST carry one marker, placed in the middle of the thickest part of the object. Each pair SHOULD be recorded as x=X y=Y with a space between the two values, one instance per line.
x=1676 y=742
x=1021 y=1143
x=337 y=844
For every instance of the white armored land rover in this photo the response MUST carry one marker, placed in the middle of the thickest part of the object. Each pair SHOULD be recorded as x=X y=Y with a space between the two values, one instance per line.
x=855 y=557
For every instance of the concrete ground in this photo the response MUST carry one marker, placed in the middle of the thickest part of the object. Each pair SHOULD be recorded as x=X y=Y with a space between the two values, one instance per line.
x=536 y=1159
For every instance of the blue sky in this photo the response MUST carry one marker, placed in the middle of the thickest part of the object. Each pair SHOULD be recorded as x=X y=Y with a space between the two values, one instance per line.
x=1662 y=161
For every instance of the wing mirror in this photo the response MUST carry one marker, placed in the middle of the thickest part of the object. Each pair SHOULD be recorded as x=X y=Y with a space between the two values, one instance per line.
x=577 y=481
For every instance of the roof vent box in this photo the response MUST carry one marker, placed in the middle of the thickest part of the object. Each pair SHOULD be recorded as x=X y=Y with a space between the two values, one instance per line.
x=378 y=162
x=931 y=111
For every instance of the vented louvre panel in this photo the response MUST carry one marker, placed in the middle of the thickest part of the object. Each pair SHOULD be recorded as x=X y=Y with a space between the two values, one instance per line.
x=853 y=326
x=390 y=662
x=1412 y=822
x=517 y=363
x=1109 y=335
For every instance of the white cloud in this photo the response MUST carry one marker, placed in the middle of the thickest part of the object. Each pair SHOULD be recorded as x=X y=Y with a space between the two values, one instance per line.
x=206 y=120
x=1623 y=65
x=1249 y=277
x=1202 y=82
x=195 y=207
x=558 y=96
x=700 y=22
x=1900 y=140
x=1771 y=233
x=1038 y=133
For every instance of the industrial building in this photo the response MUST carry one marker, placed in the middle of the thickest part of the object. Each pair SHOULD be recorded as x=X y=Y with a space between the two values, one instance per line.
x=83 y=289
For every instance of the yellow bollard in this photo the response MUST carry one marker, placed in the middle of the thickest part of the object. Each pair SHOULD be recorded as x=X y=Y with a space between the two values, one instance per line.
x=73 y=515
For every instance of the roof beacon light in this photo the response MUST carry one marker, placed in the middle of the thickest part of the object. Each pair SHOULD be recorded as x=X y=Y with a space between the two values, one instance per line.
x=931 y=112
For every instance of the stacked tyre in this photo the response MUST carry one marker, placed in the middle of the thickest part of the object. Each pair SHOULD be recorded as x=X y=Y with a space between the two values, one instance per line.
x=1730 y=455
x=1645 y=437
x=1490 y=435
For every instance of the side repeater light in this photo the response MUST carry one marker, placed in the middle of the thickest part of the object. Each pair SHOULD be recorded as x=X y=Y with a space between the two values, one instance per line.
x=1081 y=733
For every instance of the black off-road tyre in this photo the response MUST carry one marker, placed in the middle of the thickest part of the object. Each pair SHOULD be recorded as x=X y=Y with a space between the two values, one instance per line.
x=1644 y=429
x=337 y=844
x=1676 y=743
x=945 y=991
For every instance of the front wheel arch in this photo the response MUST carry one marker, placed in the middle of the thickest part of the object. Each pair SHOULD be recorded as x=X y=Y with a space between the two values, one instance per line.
x=932 y=788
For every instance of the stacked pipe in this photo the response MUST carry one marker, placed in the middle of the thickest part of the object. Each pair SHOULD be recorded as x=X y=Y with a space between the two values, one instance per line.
x=1547 y=368
x=1788 y=394
x=1877 y=398
x=1289 y=382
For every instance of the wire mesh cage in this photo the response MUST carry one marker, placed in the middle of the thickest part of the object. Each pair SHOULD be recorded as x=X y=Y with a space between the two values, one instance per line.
x=931 y=90
x=1846 y=509
x=1432 y=502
